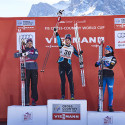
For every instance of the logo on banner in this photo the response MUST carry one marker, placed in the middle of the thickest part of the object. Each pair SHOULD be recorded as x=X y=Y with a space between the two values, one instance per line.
x=25 y=25
x=82 y=21
x=119 y=23
x=25 y=22
x=66 y=112
x=66 y=21
x=108 y=120
x=24 y=36
x=120 y=39
x=28 y=116
x=80 y=27
x=92 y=40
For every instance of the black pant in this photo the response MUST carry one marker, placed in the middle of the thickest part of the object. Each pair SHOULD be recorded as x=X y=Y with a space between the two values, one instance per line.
x=32 y=75
x=66 y=68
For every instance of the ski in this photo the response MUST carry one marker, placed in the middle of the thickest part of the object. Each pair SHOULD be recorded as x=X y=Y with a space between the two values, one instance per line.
x=48 y=52
x=100 y=78
x=23 y=70
x=80 y=55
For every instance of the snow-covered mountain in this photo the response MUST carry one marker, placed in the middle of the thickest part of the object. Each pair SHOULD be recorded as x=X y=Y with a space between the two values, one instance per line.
x=79 y=8
x=62 y=5
x=42 y=9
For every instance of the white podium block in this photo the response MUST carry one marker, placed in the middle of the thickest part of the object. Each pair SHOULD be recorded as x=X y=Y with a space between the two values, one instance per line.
x=106 y=118
x=27 y=115
x=67 y=112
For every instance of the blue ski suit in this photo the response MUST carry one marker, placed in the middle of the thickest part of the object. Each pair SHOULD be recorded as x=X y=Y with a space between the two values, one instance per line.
x=108 y=75
x=65 y=65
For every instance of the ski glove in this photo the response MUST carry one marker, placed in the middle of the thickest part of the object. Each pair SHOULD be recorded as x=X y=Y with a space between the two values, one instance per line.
x=25 y=54
x=55 y=29
x=16 y=55
x=81 y=52
x=97 y=64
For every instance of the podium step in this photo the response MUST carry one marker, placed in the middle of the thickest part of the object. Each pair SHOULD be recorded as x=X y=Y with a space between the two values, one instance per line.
x=27 y=115
x=62 y=112
x=106 y=118
x=66 y=112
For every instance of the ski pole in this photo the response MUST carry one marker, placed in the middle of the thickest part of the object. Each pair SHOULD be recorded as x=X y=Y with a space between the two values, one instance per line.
x=46 y=59
x=48 y=52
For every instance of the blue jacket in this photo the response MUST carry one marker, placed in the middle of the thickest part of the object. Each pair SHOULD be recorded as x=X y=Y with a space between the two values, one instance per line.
x=65 y=51
x=109 y=62
x=30 y=59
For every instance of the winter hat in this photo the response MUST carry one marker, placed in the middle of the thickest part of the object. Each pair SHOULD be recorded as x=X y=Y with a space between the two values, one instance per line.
x=109 y=48
x=29 y=40
x=68 y=36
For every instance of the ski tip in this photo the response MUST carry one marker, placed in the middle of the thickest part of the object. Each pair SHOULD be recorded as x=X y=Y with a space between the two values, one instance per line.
x=83 y=85
x=60 y=12
x=101 y=42
x=42 y=71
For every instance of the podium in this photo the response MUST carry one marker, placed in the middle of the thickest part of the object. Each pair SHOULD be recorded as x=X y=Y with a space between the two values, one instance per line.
x=27 y=115
x=66 y=112
x=106 y=118
x=62 y=112
x=57 y=112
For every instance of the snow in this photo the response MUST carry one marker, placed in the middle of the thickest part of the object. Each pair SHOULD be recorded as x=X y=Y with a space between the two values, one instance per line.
x=90 y=10
x=80 y=8
x=62 y=5
x=74 y=11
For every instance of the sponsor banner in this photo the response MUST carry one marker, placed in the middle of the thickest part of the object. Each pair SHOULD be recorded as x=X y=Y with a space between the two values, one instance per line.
x=67 y=21
x=69 y=28
x=66 y=112
x=93 y=40
x=119 y=26
x=74 y=40
x=25 y=25
x=66 y=108
x=25 y=22
x=66 y=116
x=24 y=36
x=119 y=23
x=119 y=20
x=120 y=39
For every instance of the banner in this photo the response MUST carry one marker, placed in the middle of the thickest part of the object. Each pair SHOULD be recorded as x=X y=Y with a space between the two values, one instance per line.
x=91 y=29
x=66 y=111
x=120 y=39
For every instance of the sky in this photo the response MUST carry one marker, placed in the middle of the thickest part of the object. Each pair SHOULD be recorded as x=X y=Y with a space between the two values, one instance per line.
x=20 y=8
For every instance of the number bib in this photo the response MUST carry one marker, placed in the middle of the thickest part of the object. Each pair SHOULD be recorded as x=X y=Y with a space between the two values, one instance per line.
x=66 y=52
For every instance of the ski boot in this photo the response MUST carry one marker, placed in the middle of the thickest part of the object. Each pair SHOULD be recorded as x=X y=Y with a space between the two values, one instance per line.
x=33 y=102
x=110 y=109
x=98 y=109
x=27 y=104
x=63 y=97
x=72 y=97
